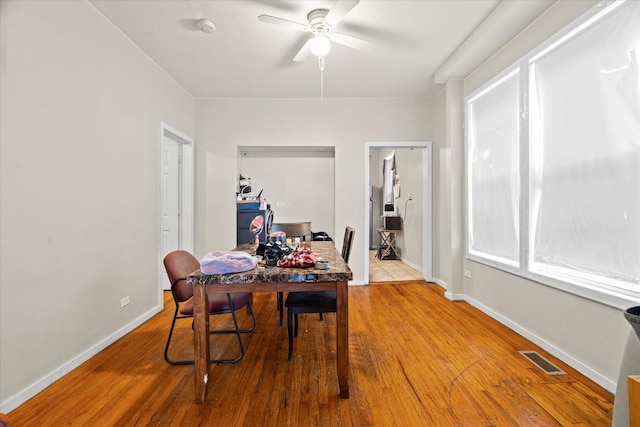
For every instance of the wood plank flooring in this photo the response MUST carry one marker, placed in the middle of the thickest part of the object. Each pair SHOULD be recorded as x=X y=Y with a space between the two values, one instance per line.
x=417 y=359
x=390 y=270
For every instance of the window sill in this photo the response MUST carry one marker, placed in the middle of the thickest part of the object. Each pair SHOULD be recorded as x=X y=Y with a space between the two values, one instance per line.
x=617 y=299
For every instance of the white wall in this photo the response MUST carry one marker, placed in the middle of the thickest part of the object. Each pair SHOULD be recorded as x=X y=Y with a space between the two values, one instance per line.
x=448 y=173
x=224 y=124
x=441 y=209
x=589 y=335
x=410 y=168
x=299 y=186
x=81 y=109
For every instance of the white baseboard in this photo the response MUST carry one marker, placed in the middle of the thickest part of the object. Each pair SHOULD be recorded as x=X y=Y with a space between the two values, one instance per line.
x=454 y=297
x=555 y=351
x=412 y=265
x=27 y=393
x=438 y=282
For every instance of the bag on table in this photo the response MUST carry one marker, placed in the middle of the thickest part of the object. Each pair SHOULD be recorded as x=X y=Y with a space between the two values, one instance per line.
x=224 y=262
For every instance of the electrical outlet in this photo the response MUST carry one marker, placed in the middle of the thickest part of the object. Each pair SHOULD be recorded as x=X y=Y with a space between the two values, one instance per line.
x=410 y=196
x=467 y=273
x=124 y=301
x=280 y=204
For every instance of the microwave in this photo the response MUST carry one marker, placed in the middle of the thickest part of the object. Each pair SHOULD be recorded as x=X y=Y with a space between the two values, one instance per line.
x=391 y=222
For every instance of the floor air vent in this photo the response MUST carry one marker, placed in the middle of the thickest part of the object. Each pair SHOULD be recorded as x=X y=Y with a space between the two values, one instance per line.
x=542 y=363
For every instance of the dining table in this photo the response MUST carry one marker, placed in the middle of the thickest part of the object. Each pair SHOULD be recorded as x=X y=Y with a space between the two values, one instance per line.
x=273 y=279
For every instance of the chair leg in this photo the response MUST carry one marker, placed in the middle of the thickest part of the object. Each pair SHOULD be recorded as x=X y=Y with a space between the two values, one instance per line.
x=233 y=331
x=166 y=348
x=253 y=317
x=290 y=321
x=251 y=301
x=235 y=322
x=236 y=331
x=280 y=302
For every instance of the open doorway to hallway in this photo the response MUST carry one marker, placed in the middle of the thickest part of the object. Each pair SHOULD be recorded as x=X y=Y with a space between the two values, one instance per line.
x=410 y=202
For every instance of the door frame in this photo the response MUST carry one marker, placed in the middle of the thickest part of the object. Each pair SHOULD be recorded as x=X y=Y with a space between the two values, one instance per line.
x=427 y=203
x=187 y=219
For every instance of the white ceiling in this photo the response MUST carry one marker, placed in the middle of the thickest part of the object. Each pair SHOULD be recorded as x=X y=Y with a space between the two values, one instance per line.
x=418 y=43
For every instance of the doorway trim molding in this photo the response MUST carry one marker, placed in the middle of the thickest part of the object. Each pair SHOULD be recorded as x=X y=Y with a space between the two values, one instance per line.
x=187 y=180
x=427 y=203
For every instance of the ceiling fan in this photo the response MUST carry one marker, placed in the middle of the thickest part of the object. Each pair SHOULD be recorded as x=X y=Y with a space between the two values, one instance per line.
x=321 y=23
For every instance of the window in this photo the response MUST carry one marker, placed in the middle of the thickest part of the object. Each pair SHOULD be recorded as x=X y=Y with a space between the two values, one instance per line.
x=493 y=177
x=574 y=220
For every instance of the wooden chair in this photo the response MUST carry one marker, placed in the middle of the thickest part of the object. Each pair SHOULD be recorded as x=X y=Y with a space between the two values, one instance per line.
x=292 y=230
x=178 y=265
x=314 y=301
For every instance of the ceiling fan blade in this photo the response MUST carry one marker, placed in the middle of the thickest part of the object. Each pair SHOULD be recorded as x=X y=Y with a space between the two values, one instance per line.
x=282 y=22
x=350 y=41
x=339 y=10
x=303 y=53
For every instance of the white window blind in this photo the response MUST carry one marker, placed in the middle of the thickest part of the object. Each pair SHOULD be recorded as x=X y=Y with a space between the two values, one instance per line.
x=580 y=199
x=493 y=176
x=585 y=154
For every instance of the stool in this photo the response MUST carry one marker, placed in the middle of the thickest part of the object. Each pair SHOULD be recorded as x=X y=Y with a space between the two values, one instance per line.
x=388 y=240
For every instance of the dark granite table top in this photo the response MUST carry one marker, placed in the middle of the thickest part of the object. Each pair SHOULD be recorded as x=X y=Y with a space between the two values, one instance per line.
x=338 y=271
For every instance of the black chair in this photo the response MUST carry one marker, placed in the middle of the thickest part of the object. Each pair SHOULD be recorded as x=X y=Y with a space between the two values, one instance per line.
x=302 y=230
x=178 y=265
x=314 y=301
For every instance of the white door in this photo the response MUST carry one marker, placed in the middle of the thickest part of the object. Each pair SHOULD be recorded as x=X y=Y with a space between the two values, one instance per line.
x=170 y=199
x=175 y=198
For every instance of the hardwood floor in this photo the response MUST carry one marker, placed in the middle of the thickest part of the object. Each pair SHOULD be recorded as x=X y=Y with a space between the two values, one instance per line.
x=417 y=359
x=390 y=270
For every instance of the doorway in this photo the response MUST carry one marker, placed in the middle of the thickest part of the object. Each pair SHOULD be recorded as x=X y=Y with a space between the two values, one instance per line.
x=414 y=195
x=294 y=203
x=176 y=198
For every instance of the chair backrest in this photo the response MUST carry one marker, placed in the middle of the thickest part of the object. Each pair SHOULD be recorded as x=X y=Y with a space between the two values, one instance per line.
x=347 y=243
x=178 y=265
x=294 y=229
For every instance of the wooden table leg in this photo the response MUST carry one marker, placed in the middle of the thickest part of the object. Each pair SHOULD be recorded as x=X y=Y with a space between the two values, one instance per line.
x=202 y=364
x=342 y=337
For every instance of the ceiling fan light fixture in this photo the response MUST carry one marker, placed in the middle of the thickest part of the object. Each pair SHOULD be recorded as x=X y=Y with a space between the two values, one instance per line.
x=320 y=45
